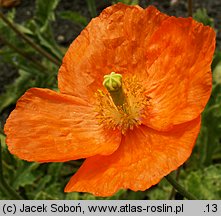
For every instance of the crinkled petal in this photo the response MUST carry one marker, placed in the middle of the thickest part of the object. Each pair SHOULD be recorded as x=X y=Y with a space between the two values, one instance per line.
x=144 y=157
x=47 y=127
x=116 y=41
x=171 y=55
x=179 y=75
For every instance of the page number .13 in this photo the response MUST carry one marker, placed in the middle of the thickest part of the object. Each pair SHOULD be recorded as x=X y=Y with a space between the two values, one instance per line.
x=211 y=208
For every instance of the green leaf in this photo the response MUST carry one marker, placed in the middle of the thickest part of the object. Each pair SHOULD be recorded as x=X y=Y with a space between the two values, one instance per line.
x=3 y=196
x=74 y=17
x=35 y=189
x=72 y=196
x=128 y=2
x=120 y=194
x=53 y=191
x=208 y=143
x=201 y=16
x=54 y=170
x=10 y=16
x=42 y=28
x=92 y=7
x=217 y=73
x=202 y=143
x=50 y=45
x=15 y=90
x=2 y=138
x=24 y=176
x=44 y=12
x=28 y=77
x=216 y=59
x=24 y=29
x=160 y=192
x=43 y=182
x=205 y=183
x=5 y=31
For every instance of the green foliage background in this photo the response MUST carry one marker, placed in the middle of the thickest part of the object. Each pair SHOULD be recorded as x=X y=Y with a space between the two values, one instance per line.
x=201 y=174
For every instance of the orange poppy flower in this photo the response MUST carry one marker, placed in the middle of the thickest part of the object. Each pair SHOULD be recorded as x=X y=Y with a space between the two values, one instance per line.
x=133 y=138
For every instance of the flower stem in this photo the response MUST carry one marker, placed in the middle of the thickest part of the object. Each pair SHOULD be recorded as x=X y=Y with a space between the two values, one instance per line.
x=92 y=7
x=173 y=191
x=190 y=8
x=25 y=55
x=29 y=41
x=180 y=188
x=5 y=188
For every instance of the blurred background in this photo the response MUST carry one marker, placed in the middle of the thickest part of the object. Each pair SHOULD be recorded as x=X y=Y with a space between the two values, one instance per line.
x=34 y=36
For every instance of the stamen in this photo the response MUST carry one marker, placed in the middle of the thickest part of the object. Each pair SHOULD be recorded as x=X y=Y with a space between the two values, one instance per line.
x=124 y=106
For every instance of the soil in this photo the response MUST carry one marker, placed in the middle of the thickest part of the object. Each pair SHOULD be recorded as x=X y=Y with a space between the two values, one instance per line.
x=65 y=31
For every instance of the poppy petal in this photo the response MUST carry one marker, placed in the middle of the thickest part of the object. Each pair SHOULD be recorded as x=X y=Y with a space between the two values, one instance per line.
x=51 y=127
x=144 y=157
x=180 y=80
x=115 y=41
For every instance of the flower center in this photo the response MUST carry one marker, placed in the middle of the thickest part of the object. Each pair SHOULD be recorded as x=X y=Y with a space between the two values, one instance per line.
x=124 y=105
